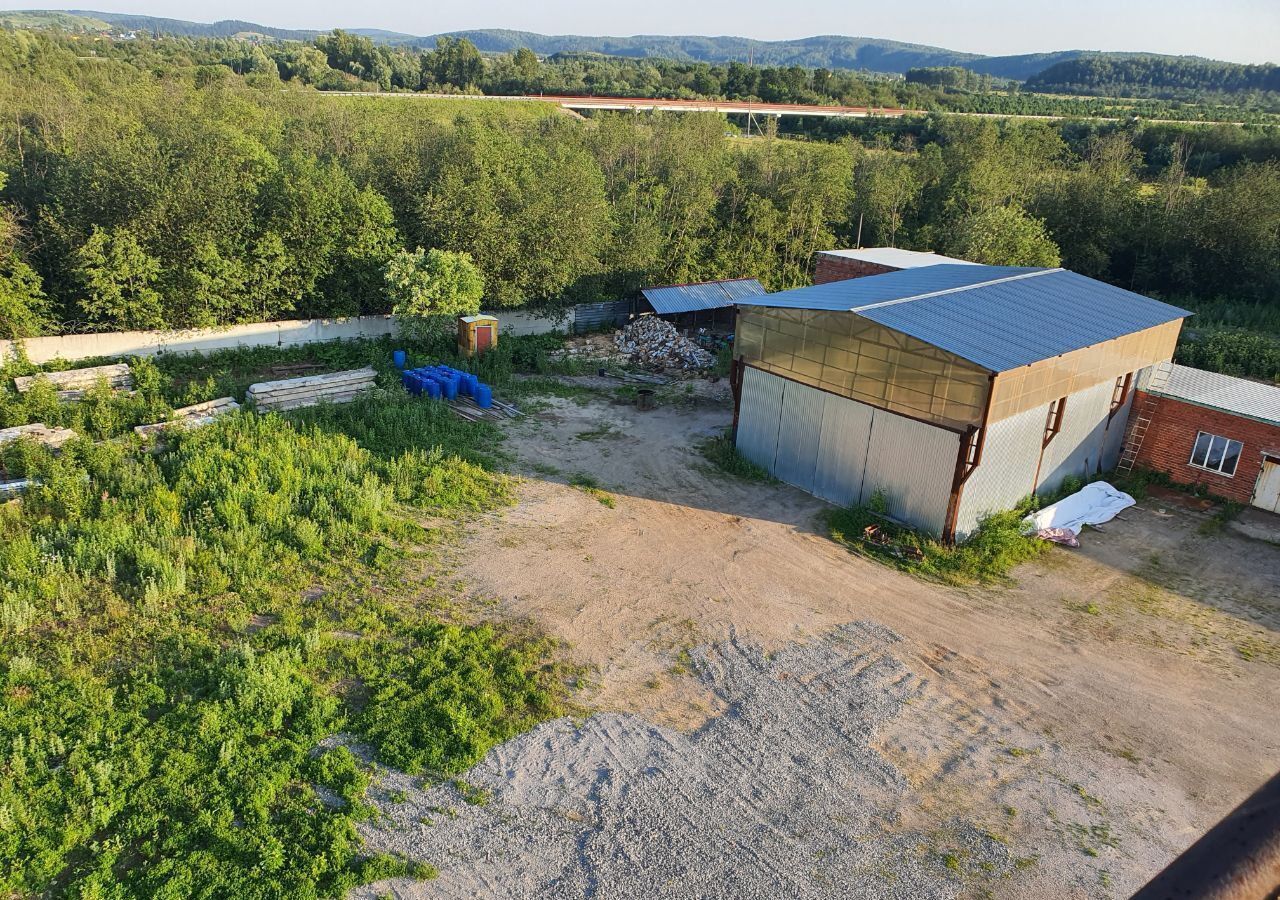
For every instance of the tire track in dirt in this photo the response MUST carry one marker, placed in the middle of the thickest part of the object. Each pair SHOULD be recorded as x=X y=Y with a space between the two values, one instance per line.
x=1094 y=736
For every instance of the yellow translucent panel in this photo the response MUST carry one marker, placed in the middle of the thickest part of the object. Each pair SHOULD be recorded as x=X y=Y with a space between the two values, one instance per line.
x=1043 y=382
x=853 y=357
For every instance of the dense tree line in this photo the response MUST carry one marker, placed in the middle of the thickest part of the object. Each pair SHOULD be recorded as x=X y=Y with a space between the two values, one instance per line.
x=956 y=77
x=1155 y=76
x=183 y=194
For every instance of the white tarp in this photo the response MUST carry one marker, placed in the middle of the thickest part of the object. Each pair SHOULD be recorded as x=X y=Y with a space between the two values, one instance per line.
x=1096 y=503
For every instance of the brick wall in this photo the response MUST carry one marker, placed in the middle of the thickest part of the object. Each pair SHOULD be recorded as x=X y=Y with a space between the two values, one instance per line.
x=1167 y=445
x=838 y=268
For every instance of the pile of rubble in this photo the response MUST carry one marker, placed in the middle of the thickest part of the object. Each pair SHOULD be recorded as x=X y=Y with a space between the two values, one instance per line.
x=649 y=341
x=597 y=348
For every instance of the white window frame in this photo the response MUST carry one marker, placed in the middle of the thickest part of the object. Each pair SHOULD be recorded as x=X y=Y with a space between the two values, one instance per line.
x=1227 y=442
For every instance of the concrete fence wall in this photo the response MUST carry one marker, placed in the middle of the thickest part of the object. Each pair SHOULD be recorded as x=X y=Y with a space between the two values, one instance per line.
x=73 y=347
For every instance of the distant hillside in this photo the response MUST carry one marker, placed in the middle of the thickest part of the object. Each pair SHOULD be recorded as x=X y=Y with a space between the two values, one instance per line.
x=1154 y=76
x=822 y=51
x=52 y=19
x=225 y=28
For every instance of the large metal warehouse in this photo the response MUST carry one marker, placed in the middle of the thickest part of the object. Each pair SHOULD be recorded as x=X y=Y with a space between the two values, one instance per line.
x=955 y=390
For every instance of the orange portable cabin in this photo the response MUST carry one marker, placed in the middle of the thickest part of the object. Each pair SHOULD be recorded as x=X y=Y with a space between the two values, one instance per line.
x=477 y=334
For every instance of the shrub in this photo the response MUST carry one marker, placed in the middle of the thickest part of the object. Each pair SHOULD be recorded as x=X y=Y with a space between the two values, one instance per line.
x=155 y=746
x=440 y=707
x=988 y=555
x=721 y=453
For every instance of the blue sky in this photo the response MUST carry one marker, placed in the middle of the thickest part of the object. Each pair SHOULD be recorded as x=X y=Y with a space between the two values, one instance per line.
x=1239 y=30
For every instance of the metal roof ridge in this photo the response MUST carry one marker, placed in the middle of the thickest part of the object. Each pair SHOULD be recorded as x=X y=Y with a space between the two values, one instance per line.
x=955 y=290
x=658 y=287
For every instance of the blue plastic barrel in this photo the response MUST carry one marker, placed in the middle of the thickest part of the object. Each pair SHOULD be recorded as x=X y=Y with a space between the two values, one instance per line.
x=433 y=388
x=398 y=358
x=413 y=383
x=473 y=382
x=405 y=378
x=484 y=396
x=447 y=377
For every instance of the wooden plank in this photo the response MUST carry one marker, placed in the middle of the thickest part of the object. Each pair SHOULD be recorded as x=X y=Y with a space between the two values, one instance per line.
x=222 y=404
x=118 y=375
x=281 y=396
x=276 y=402
x=12 y=488
x=78 y=394
x=38 y=432
x=264 y=387
x=311 y=391
x=313 y=400
x=192 y=416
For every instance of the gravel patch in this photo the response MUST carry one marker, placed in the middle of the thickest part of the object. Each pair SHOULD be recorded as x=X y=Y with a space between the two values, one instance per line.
x=780 y=796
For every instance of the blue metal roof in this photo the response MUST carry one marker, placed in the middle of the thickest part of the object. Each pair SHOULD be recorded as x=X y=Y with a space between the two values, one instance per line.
x=681 y=298
x=1000 y=317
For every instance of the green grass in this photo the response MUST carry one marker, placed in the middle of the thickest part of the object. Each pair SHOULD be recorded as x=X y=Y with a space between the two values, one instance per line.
x=167 y=674
x=168 y=381
x=590 y=485
x=598 y=433
x=988 y=556
x=724 y=456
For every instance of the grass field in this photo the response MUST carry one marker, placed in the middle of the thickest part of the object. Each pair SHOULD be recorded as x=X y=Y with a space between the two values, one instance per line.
x=182 y=627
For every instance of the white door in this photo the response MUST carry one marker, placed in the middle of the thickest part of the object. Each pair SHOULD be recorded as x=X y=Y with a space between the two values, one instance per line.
x=1266 y=494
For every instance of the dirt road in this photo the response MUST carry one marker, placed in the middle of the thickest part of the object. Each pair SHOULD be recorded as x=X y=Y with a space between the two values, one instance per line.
x=1091 y=719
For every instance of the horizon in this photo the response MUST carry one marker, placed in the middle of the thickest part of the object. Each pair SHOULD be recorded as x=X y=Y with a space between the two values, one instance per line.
x=1238 y=31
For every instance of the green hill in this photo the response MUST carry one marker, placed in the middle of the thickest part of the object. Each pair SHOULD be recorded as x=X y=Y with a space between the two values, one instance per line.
x=1155 y=76
x=820 y=51
x=52 y=19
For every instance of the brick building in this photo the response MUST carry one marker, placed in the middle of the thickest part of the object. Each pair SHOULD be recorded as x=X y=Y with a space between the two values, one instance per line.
x=1208 y=429
x=837 y=265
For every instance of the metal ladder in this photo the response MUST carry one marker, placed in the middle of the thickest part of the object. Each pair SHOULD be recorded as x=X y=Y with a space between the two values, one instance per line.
x=1151 y=386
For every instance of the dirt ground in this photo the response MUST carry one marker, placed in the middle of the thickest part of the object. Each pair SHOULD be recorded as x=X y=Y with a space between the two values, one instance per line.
x=1092 y=717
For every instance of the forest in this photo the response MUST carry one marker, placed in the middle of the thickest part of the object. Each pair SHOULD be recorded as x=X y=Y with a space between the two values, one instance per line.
x=222 y=197
x=1156 y=76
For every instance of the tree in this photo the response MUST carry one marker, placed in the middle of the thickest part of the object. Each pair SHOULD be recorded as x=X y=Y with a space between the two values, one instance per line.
x=455 y=61
x=1092 y=210
x=429 y=288
x=1002 y=236
x=119 y=278
x=23 y=305
x=887 y=186
x=526 y=63
x=529 y=207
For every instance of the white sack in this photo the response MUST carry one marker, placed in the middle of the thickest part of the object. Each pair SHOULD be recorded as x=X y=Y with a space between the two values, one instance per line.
x=1096 y=503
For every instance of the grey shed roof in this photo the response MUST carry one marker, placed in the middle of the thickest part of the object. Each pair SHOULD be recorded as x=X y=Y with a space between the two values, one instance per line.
x=999 y=317
x=681 y=298
x=897 y=258
x=1251 y=399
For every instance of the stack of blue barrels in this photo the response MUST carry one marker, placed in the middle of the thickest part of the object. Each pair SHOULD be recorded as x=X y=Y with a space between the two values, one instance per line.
x=443 y=383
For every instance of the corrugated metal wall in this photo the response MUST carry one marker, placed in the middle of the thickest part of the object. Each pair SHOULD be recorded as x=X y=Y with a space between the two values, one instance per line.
x=1086 y=443
x=912 y=464
x=1077 y=448
x=759 y=412
x=1114 y=443
x=596 y=316
x=1008 y=469
x=844 y=451
x=799 y=430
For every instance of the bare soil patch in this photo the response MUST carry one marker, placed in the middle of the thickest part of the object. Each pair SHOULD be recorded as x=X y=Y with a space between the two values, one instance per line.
x=1092 y=718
